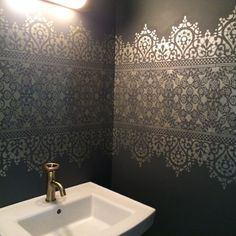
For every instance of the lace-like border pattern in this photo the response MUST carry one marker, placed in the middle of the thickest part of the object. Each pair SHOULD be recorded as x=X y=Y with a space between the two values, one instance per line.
x=35 y=147
x=181 y=149
x=186 y=45
x=37 y=40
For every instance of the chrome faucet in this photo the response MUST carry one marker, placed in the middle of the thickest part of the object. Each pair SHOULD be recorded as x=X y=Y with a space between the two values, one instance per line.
x=52 y=183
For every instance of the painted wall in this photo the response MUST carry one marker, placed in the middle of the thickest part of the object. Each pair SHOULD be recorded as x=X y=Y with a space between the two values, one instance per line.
x=175 y=113
x=56 y=95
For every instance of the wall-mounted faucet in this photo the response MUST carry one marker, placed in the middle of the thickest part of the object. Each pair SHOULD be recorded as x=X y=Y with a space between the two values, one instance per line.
x=52 y=183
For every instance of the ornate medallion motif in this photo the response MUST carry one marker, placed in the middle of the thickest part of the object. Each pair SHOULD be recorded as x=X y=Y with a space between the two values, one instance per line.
x=186 y=42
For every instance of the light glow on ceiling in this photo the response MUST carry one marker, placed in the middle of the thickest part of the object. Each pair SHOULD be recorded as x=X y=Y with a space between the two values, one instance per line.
x=27 y=6
x=42 y=7
x=74 y=4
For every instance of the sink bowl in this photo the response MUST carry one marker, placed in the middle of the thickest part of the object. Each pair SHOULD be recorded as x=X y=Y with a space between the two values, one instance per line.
x=87 y=210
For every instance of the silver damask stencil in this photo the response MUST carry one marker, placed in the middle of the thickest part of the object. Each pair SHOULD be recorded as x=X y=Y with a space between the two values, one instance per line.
x=56 y=93
x=175 y=98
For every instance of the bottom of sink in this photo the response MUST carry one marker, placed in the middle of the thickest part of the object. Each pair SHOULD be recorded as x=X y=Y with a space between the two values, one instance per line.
x=85 y=227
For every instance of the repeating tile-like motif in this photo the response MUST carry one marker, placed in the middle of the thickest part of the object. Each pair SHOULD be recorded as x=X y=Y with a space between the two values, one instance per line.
x=175 y=98
x=36 y=95
x=200 y=99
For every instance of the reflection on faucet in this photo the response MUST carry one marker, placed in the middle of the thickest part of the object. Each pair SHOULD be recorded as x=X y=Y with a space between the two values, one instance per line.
x=52 y=183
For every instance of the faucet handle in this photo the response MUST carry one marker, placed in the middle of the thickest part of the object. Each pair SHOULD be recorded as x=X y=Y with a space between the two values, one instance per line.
x=51 y=166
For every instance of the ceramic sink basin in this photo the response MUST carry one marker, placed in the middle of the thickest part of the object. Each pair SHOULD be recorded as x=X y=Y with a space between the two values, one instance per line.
x=87 y=210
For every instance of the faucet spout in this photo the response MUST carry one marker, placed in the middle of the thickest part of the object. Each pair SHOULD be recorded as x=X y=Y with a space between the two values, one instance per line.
x=59 y=187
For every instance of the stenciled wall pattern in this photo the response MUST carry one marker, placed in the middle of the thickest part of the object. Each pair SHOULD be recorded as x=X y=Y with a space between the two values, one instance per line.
x=37 y=37
x=55 y=92
x=176 y=98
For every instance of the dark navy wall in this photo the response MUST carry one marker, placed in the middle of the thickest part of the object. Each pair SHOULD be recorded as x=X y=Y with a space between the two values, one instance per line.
x=175 y=113
x=56 y=96
x=166 y=109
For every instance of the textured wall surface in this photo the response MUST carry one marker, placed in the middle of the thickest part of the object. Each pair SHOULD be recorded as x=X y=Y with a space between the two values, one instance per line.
x=175 y=114
x=56 y=98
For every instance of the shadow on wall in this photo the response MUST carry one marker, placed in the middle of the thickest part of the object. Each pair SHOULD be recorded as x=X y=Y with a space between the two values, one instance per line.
x=100 y=16
x=126 y=14
x=160 y=15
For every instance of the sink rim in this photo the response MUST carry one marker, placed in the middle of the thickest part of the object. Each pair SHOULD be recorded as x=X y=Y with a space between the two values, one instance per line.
x=12 y=214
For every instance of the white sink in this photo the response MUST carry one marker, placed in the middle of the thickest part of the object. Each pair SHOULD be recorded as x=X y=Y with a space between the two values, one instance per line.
x=87 y=210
